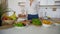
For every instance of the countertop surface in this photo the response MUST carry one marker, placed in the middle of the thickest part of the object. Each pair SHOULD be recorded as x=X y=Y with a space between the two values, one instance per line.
x=5 y=27
x=31 y=29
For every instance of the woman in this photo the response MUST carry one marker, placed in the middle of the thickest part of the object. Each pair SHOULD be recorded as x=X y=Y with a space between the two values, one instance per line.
x=32 y=9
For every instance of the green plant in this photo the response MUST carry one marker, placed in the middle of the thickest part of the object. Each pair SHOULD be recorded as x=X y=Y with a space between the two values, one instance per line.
x=1 y=13
x=1 y=10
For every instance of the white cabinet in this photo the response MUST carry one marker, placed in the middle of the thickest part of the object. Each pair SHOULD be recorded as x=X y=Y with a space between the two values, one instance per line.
x=57 y=0
x=50 y=2
x=43 y=2
x=57 y=3
x=47 y=2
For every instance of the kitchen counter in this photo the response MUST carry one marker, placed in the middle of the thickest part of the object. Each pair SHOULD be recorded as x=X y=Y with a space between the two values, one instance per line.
x=32 y=30
x=5 y=27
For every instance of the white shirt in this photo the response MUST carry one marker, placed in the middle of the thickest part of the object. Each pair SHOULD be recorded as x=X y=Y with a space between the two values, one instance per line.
x=33 y=8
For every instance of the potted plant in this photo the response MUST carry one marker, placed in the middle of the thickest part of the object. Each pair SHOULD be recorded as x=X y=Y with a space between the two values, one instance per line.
x=1 y=13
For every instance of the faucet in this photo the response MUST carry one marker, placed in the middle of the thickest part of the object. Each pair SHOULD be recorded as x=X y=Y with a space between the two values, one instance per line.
x=45 y=17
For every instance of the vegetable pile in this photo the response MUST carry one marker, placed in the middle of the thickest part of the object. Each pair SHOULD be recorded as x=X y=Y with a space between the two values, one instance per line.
x=36 y=21
x=18 y=24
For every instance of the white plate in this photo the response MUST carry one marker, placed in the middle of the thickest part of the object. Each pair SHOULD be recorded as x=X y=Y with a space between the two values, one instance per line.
x=19 y=27
x=57 y=24
x=20 y=19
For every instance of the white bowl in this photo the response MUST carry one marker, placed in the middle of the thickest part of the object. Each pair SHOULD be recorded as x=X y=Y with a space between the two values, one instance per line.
x=45 y=25
x=9 y=21
x=20 y=27
x=20 y=19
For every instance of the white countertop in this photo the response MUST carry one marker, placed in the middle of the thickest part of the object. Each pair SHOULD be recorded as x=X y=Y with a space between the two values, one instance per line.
x=32 y=30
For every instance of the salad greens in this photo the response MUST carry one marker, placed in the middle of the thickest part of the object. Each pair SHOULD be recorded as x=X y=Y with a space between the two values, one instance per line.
x=18 y=24
x=36 y=21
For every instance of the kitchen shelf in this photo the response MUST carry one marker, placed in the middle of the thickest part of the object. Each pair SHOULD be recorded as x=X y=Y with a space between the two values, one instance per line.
x=57 y=1
x=49 y=5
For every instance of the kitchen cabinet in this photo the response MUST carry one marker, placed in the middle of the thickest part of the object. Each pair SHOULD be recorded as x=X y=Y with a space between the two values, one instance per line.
x=43 y=2
x=4 y=3
x=57 y=0
x=50 y=2
x=47 y=2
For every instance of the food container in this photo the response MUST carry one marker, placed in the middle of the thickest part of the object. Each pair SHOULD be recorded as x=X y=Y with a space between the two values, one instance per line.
x=47 y=23
x=10 y=12
x=25 y=22
x=57 y=24
x=21 y=24
x=9 y=17
x=56 y=21
x=8 y=21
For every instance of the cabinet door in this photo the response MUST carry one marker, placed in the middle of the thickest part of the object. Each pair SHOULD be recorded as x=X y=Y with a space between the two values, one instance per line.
x=43 y=2
x=57 y=0
x=0 y=1
x=50 y=2
x=47 y=2
x=4 y=3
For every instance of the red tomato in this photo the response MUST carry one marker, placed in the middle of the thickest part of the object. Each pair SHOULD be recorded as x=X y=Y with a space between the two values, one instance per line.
x=4 y=18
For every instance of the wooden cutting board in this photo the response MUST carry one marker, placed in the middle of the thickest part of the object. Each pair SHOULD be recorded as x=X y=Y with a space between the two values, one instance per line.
x=5 y=27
